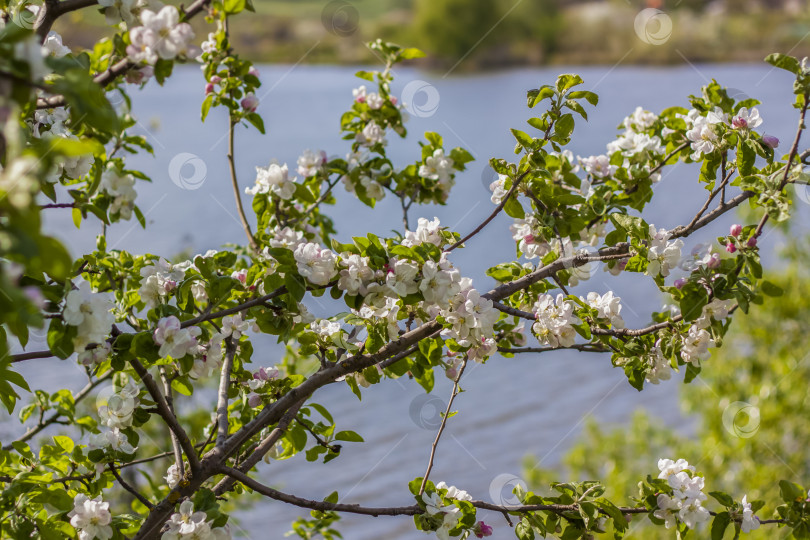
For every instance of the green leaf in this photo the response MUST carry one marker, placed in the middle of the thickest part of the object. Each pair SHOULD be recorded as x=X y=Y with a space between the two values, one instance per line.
x=514 y=209
x=784 y=61
x=721 y=521
x=522 y=138
x=411 y=52
x=256 y=120
x=233 y=7
x=567 y=81
x=564 y=126
x=723 y=498
x=591 y=97
x=771 y=289
x=295 y=285
x=349 y=436
x=60 y=338
x=536 y=96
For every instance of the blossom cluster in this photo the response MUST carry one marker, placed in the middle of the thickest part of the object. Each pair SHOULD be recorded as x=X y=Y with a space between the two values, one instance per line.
x=663 y=254
x=554 y=321
x=450 y=513
x=703 y=130
x=91 y=518
x=116 y=414
x=90 y=313
x=687 y=495
x=161 y=36
x=188 y=524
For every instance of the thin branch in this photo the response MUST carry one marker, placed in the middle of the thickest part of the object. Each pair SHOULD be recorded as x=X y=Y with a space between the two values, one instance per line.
x=129 y=488
x=323 y=506
x=317 y=505
x=165 y=412
x=167 y=389
x=313 y=206
x=794 y=150
x=30 y=356
x=667 y=158
x=54 y=418
x=441 y=427
x=226 y=484
x=222 y=398
x=494 y=213
x=237 y=195
x=582 y=347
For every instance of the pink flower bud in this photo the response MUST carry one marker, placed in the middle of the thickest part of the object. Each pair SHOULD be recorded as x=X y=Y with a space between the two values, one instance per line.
x=451 y=373
x=250 y=102
x=253 y=71
x=529 y=238
x=679 y=283
x=360 y=99
x=752 y=242
x=770 y=141
x=169 y=285
x=481 y=530
x=714 y=261
x=254 y=400
x=730 y=247
x=393 y=100
x=739 y=123
x=215 y=79
x=209 y=88
x=736 y=229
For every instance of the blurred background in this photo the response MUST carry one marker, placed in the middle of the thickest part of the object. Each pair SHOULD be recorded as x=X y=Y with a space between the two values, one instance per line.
x=532 y=419
x=502 y=33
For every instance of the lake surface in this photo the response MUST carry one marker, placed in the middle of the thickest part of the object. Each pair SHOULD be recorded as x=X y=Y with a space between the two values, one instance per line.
x=530 y=405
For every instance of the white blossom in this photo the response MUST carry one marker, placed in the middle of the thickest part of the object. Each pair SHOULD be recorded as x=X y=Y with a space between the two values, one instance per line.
x=90 y=313
x=598 y=166
x=355 y=275
x=119 y=10
x=118 y=410
x=91 y=518
x=310 y=163
x=112 y=439
x=745 y=119
x=52 y=46
x=640 y=120
x=663 y=254
x=161 y=36
x=371 y=135
x=696 y=345
x=703 y=138
x=273 y=179
x=716 y=309
x=437 y=167
x=315 y=263
x=159 y=280
x=234 y=326
x=96 y=355
x=608 y=307
x=660 y=369
x=554 y=321
x=121 y=188
x=173 y=475
x=175 y=341
x=498 y=190
x=427 y=232
x=749 y=520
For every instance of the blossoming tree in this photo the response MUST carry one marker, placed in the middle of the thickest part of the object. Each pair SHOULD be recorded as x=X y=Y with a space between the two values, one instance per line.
x=159 y=332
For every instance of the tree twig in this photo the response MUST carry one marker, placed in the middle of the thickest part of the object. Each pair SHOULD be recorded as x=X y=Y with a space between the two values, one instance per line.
x=442 y=425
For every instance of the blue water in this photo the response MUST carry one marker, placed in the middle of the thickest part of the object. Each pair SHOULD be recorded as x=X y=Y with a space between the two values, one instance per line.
x=511 y=408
